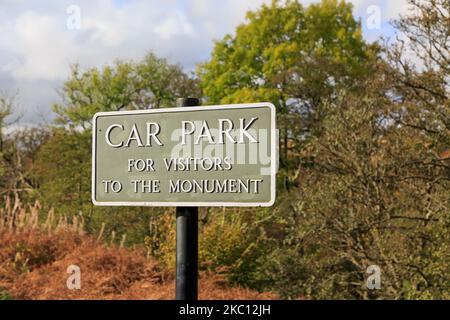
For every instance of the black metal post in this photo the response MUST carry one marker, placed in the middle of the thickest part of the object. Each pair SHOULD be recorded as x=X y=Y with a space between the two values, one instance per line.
x=187 y=240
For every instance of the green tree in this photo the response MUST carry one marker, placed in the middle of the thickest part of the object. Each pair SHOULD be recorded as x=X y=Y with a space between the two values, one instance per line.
x=125 y=85
x=294 y=57
x=64 y=171
x=372 y=187
x=368 y=193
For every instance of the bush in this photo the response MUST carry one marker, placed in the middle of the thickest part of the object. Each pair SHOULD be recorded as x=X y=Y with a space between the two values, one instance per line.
x=230 y=242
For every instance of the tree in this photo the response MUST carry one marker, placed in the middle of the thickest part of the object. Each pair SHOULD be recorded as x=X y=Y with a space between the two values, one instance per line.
x=149 y=83
x=15 y=166
x=372 y=187
x=5 y=111
x=64 y=160
x=64 y=171
x=368 y=193
x=422 y=82
x=293 y=56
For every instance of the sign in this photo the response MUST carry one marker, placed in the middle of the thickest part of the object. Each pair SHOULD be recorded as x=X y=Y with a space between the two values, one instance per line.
x=192 y=156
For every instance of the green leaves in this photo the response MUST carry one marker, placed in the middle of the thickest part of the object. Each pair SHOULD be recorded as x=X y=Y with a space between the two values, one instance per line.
x=281 y=47
x=149 y=83
x=294 y=57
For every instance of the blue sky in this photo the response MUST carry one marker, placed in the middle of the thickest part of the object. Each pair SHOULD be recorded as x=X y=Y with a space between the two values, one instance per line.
x=39 y=40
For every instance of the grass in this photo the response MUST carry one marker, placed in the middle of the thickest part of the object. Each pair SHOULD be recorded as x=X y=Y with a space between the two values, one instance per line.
x=4 y=295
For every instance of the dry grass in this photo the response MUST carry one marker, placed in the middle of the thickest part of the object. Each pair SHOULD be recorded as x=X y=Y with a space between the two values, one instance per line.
x=34 y=258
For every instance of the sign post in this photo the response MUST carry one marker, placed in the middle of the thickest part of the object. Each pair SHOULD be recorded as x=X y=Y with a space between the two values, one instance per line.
x=187 y=240
x=185 y=157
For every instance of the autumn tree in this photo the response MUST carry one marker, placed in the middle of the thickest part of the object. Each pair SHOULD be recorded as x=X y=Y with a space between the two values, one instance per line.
x=292 y=56
x=420 y=61
x=372 y=187
x=368 y=194
x=15 y=164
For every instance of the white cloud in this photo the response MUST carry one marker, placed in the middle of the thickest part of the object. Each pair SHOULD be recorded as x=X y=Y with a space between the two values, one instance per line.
x=37 y=48
x=175 y=25
x=396 y=8
x=39 y=44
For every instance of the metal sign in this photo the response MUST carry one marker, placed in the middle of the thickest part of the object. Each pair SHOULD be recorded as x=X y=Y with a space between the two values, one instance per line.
x=223 y=155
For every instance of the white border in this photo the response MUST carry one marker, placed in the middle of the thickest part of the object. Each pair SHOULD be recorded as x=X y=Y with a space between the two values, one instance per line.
x=273 y=159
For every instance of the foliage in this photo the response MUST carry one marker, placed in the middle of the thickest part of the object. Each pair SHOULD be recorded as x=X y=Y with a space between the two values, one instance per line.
x=272 y=55
x=18 y=149
x=294 y=57
x=369 y=176
x=230 y=241
x=64 y=170
x=387 y=204
x=6 y=109
x=364 y=155
x=149 y=83
x=161 y=242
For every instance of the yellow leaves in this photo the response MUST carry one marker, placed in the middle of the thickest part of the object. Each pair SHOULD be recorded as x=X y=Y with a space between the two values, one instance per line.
x=278 y=40
x=341 y=34
x=357 y=34
x=241 y=96
x=248 y=95
x=349 y=16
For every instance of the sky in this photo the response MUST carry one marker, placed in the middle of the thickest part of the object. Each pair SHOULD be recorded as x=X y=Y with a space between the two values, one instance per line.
x=39 y=40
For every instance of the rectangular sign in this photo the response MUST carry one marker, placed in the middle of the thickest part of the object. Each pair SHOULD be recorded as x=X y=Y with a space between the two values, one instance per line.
x=222 y=155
